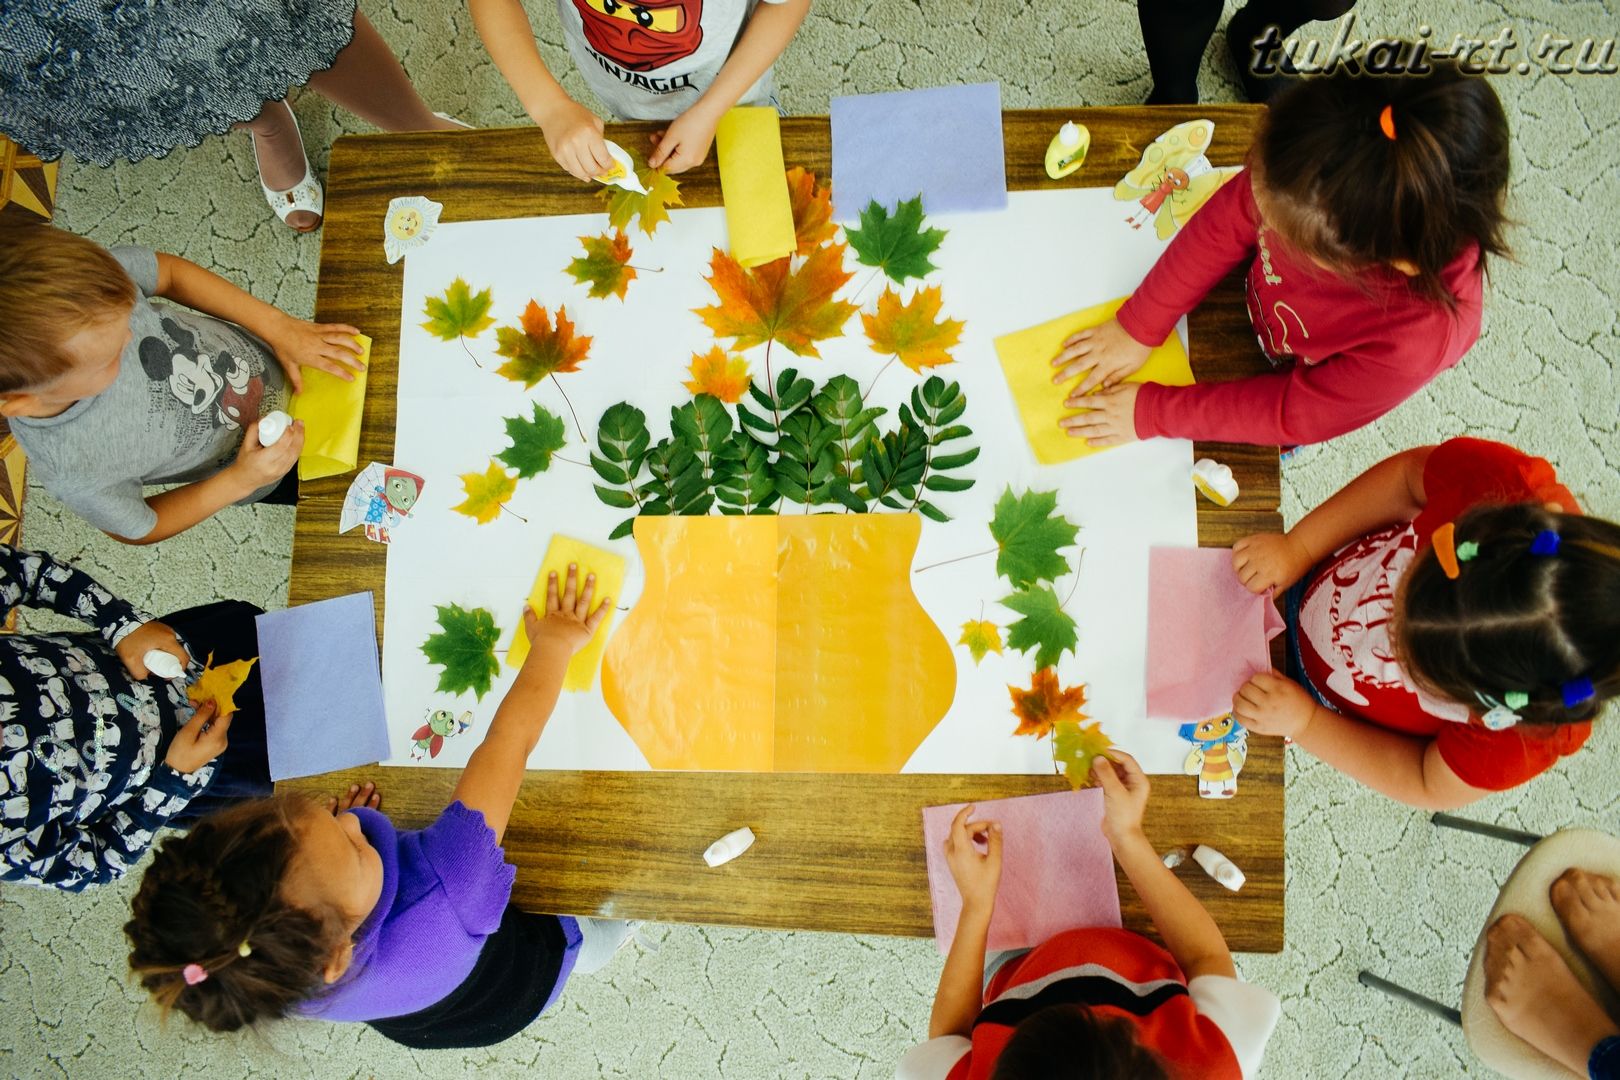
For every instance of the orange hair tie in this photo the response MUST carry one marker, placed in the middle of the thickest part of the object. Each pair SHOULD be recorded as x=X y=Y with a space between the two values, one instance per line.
x=1445 y=549
x=1386 y=122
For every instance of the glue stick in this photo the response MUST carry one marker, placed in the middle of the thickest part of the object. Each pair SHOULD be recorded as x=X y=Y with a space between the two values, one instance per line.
x=729 y=846
x=1219 y=867
x=272 y=426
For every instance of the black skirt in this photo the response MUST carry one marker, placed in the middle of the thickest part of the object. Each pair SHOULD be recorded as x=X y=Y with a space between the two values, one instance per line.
x=516 y=971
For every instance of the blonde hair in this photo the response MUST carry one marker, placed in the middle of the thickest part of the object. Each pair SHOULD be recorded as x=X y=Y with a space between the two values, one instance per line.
x=52 y=284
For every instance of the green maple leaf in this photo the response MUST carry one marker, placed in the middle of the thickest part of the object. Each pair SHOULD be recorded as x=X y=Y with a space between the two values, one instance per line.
x=897 y=245
x=1029 y=532
x=604 y=266
x=465 y=647
x=533 y=442
x=1045 y=626
x=459 y=313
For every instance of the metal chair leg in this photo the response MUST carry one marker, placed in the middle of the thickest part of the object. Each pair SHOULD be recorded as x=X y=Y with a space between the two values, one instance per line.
x=1517 y=836
x=1411 y=997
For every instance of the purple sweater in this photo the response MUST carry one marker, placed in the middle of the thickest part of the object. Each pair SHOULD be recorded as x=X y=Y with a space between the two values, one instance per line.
x=444 y=889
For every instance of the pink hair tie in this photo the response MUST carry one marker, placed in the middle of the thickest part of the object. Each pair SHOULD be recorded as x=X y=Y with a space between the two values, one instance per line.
x=194 y=974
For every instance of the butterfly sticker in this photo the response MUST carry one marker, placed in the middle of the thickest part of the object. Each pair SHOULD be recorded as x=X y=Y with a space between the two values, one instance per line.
x=1173 y=179
x=409 y=223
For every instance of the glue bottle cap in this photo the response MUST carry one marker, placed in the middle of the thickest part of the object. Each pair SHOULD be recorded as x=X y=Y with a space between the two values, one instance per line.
x=272 y=426
x=1069 y=134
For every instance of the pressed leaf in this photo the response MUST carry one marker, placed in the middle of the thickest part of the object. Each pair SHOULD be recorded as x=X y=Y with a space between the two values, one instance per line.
x=812 y=209
x=980 y=636
x=774 y=302
x=465 y=648
x=897 y=245
x=219 y=684
x=716 y=374
x=1075 y=746
x=1028 y=531
x=460 y=312
x=908 y=331
x=648 y=211
x=605 y=265
x=486 y=491
x=1045 y=626
x=539 y=349
x=533 y=442
x=1045 y=703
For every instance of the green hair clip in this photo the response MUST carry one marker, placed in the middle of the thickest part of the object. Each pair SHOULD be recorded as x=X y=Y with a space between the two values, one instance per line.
x=1467 y=550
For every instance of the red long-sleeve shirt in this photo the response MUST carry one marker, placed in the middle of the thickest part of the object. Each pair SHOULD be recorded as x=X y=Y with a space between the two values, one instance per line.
x=1348 y=350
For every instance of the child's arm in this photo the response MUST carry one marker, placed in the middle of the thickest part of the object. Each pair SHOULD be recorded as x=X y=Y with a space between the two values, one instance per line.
x=685 y=144
x=328 y=346
x=1407 y=768
x=1188 y=931
x=1390 y=491
x=959 y=998
x=572 y=132
x=489 y=783
x=255 y=467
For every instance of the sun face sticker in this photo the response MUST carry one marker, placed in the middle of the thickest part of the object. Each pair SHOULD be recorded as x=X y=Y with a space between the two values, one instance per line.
x=644 y=36
x=409 y=223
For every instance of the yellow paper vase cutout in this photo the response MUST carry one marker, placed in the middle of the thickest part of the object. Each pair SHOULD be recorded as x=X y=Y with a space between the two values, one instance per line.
x=1026 y=361
x=786 y=644
x=753 y=181
x=331 y=410
x=609 y=571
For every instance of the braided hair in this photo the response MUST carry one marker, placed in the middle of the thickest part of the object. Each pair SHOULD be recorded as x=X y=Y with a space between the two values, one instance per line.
x=211 y=934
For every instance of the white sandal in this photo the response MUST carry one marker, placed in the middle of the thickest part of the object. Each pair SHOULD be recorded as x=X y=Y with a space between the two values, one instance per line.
x=304 y=195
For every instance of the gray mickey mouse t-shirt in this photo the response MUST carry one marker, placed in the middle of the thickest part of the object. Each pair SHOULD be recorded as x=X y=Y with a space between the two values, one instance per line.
x=187 y=385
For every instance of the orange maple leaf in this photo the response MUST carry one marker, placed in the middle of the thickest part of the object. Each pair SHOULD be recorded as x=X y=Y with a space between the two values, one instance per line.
x=538 y=350
x=1045 y=704
x=908 y=331
x=774 y=302
x=715 y=374
x=812 y=209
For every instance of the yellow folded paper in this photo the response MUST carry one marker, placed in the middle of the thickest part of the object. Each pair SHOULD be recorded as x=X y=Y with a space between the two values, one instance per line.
x=759 y=217
x=609 y=571
x=331 y=408
x=1026 y=361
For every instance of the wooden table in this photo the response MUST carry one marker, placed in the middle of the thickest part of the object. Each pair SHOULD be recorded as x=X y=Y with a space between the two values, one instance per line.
x=835 y=852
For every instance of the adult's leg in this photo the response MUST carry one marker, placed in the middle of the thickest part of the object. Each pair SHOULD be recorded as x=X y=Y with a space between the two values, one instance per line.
x=1175 y=34
x=368 y=80
x=1254 y=19
x=280 y=153
x=1538 y=998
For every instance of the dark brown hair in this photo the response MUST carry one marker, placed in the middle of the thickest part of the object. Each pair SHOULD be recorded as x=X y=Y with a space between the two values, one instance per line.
x=52 y=285
x=208 y=892
x=1514 y=620
x=1071 y=1042
x=1339 y=190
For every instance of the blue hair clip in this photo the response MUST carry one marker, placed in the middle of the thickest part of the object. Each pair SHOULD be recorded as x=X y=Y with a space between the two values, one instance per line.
x=1578 y=692
x=1545 y=543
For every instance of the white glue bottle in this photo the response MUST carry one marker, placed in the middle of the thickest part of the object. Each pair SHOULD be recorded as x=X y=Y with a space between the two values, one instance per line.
x=163 y=665
x=1219 y=867
x=272 y=426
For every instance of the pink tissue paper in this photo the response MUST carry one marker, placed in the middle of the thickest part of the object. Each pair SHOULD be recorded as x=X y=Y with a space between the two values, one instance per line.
x=1057 y=872
x=1207 y=633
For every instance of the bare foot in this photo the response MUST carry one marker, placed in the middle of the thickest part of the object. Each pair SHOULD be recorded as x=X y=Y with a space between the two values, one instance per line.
x=365 y=795
x=1589 y=907
x=1536 y=996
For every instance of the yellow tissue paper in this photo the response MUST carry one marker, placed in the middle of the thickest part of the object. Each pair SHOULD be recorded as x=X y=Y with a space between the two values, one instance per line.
x=331 y=408
x=609 y=571
x=759 y=217
x=1026 y=361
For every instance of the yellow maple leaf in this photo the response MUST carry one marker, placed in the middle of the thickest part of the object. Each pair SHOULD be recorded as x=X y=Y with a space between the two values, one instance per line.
x=1075 y=746
x=715 y=374
x=219 y=684
x=980 y=636
x=486 y=491
x=909 y=331
x=648 y=211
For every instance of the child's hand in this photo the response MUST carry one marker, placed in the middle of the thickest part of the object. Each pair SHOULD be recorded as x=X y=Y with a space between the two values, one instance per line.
x=976 y=874
x=685 y=143
x=1125 y=795
x=1107 y=350
x=573 y=134
x=1273 y=704
x=142 y=640
x=1269 y=561
x=365 y=795
x=260 y=466
x=200 y=741
x=329 y=347
x=1109 y=419
x=569 y=621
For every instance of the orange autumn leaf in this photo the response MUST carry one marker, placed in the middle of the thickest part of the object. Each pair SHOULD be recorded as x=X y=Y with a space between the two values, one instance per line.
x=774 y=302
x=219 y=684
x=715 y=374
x=1045 y=704
x=604 y=266
x=908 y=331
x=539 y=349
x=812 y=209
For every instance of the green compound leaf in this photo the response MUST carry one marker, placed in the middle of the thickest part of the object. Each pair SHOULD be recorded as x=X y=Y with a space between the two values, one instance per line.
x=898 y=245
x=533 y=442
x=1029 y=532
x=458 y=313
x=465 y=647
x=1045 y=626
